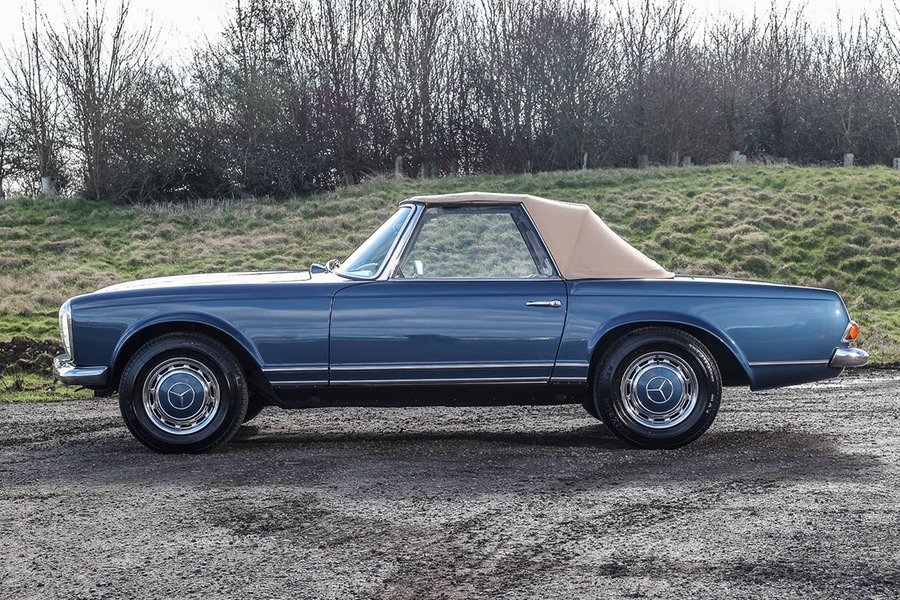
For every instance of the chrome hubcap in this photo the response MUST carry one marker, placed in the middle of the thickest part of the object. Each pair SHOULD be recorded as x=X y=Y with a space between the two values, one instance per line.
x=659 y=390
x=181 y=396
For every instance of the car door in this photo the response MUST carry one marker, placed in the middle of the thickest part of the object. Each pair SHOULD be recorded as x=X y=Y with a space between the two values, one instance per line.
x=474 y=299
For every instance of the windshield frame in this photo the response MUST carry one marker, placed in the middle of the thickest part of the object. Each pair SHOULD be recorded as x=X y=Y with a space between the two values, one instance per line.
x=404 y=228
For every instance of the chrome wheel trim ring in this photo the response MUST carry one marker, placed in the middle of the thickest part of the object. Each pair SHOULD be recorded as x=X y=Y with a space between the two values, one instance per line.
x=187 y=370
x=664 y=365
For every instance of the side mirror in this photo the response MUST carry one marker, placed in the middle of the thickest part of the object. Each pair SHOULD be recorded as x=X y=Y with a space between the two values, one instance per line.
x=317 y=268
x=419 y=267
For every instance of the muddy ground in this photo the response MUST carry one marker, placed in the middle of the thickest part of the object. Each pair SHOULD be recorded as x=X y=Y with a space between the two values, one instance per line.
x=791 y=493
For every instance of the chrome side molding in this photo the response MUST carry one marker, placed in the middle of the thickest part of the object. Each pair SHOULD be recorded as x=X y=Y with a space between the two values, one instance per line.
x=789 y=363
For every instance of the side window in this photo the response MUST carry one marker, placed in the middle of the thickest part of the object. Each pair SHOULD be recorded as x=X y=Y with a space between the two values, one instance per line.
x=475 y=242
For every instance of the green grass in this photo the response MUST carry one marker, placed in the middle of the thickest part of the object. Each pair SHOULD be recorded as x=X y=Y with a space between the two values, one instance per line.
x=31 y=387
x=830 y=227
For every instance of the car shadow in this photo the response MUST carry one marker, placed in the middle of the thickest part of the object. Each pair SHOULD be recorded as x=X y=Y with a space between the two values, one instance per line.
x=395 y=462
x=595 y=436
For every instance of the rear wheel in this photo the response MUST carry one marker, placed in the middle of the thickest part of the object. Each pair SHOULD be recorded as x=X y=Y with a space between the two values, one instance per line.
x=254 y=407
x=183 y=392
x=658 y=387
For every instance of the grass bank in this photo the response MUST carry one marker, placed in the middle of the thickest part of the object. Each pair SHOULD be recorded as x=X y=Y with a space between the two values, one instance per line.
x=829 y=227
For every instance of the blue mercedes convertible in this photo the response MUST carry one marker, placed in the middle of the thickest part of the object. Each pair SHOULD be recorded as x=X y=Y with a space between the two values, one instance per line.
x=456 y=299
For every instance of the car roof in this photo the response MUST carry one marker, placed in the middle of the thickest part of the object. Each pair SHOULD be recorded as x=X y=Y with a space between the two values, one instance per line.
x=582 y=245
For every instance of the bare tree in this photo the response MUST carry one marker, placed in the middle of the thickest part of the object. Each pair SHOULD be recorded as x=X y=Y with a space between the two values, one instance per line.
x=890 y=25
x=339 y=45
x=301 y=95
x=637 y=31
x=30 y=91
x=103 y=67
x=729 y=62
x=785 y=56
x=259 y=83
x=850 y=76
x=575 y=79
x=413 y=52
x=7 y=150
x=676 y=79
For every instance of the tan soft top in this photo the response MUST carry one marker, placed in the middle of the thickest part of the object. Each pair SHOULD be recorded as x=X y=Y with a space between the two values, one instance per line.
x=583 y=246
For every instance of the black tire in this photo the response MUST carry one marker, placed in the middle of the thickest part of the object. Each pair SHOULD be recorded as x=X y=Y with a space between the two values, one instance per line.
x=254 y=407
x=211 y=381
x=658 y=387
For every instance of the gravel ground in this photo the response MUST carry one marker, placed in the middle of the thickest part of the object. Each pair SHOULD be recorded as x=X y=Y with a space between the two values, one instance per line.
x=791 y=493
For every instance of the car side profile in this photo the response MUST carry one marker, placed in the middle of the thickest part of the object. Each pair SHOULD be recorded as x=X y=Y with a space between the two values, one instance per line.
x=456 y=299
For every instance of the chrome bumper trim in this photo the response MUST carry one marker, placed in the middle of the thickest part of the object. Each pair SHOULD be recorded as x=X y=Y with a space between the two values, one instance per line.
x=66 y=372
x=848 y=357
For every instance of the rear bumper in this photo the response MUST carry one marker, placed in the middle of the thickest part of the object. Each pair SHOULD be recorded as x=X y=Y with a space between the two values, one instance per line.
x=66 y=372
x=848 y=357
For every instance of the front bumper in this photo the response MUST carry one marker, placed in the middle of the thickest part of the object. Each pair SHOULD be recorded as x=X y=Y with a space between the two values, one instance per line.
x=66 y=372
x=848 y=357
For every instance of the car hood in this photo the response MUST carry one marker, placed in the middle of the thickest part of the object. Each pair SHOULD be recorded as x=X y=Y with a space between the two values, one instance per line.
x=211 y=279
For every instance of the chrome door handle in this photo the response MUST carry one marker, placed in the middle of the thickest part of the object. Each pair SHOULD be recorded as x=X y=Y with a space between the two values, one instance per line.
x=547 y=303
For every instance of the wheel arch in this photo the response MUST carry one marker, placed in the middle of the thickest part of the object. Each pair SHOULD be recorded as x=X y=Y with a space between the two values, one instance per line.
x=728 y=357
x=222 y=332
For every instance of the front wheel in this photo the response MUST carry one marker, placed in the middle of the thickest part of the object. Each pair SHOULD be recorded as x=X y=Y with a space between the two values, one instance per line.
x=183 y=392
x=658 y=387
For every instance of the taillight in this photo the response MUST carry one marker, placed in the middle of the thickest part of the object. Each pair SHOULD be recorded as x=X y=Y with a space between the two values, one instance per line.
x=852 y=331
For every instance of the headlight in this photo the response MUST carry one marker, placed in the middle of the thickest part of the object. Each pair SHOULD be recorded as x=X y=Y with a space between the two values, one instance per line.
x=65 y=327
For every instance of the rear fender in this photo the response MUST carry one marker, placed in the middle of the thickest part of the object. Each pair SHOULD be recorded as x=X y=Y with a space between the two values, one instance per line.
x=636 y=319
x=619 y=324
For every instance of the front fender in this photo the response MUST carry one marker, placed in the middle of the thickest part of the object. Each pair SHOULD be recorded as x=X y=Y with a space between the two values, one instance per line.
x=187 y=318
x=273 y=325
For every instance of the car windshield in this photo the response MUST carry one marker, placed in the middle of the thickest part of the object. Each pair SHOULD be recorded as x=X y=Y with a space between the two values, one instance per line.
x=366 y=260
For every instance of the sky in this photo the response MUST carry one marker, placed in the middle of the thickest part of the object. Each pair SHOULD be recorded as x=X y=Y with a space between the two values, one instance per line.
x=180 y=22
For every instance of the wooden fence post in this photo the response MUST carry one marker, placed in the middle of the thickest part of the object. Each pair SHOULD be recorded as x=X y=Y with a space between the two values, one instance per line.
x=643 y=161
x=584 y=162
x=398 y=166
x=848 y=159
x=897 y=163
x=686 y=161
